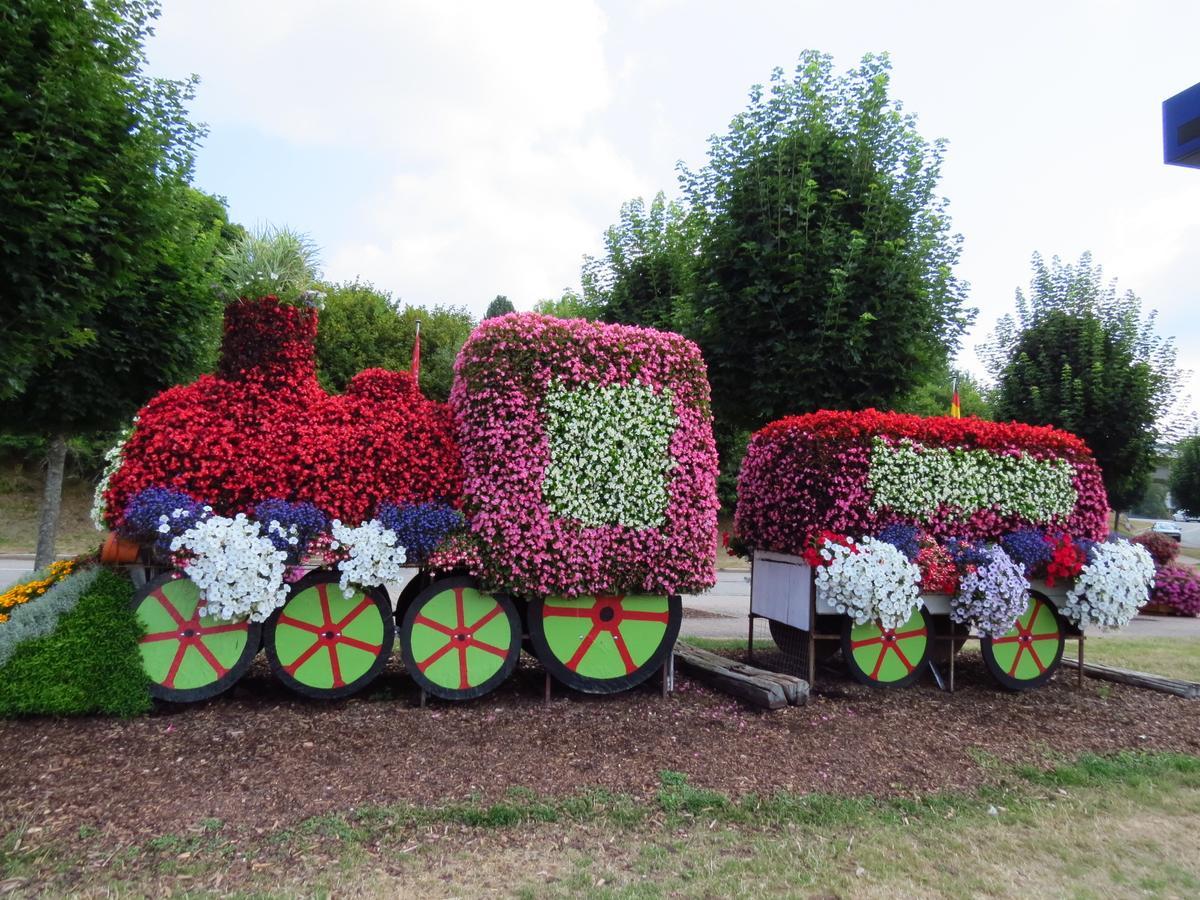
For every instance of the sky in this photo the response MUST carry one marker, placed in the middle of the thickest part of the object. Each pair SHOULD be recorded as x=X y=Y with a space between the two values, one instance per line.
x=449 y=151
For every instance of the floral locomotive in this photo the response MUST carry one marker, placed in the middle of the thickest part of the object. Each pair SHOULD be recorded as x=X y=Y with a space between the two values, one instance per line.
x=908 y=535
x=566 y=494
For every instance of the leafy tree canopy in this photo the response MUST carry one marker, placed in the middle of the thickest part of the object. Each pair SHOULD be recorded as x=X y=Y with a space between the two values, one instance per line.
x=1185 y=475
x=1080 y=356
x=362 y=327
x=571 y=305
x=824 y=275
x=647 y=274
x=499 y=307
x=92 y=151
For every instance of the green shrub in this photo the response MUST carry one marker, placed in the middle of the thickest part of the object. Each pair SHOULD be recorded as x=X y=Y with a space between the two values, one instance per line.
x=89 y=664
x=39 y=616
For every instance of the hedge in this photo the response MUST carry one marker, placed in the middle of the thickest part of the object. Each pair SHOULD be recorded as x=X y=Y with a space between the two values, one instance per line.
x=90 y=663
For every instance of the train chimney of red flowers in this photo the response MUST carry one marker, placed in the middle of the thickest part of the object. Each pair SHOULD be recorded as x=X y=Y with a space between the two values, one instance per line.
x=269 y=337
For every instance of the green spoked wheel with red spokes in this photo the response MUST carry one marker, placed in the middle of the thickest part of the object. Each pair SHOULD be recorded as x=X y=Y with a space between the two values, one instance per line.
x=1028 y=655
x=604 y=643
x=458 y=641
x=887 y=657
x=186 y=654
x=326 y=644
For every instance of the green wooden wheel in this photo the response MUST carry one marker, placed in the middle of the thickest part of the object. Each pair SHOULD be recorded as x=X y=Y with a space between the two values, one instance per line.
x=458 y=641
x=324 y=644
x=186 y=654
x=1028 y=655
x=887 y=657
x=604 y=643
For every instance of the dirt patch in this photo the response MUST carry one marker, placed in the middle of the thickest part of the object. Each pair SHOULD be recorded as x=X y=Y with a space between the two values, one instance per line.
x=260 y=758
x=690 y=612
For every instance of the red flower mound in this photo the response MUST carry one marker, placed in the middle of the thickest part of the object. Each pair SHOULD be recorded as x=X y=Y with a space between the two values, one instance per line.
x=263 y=428
x=804 y=474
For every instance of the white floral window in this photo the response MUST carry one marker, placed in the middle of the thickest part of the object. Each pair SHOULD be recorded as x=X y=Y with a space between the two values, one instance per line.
x=610 y=460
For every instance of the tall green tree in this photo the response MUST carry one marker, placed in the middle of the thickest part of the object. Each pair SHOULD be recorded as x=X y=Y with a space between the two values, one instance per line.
x=933 y=395
x=824 y=275
x=570 y=305
x=647 y=273
x=95 y=157
x=87 y=143
x=1185 y=475
x=362 y=327
x=500 y=306
x=1081 y=356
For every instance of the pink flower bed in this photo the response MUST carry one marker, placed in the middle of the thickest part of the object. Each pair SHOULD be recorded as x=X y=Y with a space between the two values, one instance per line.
x=805 y=474
x=503 y=377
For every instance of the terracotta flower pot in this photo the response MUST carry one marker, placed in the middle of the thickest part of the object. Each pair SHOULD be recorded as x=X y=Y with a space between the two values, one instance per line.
x=117 y=549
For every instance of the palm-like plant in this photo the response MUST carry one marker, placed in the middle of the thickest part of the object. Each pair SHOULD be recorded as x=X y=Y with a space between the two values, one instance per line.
x=271 y=260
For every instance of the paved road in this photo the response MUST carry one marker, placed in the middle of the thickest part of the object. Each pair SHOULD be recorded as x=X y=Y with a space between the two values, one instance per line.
x=1189 y=531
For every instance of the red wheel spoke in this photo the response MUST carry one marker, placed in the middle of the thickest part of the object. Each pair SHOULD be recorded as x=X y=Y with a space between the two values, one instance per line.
x=302 y=658
x=464 y=682
x=637 y=615
x=221 y=629
x=574 y=612
x=1037 y=659
x=436 y=626
x=357 y=644
x=333 y=664
x=1007 y=639
x=879 y=662
x=1016 y=659
x=459 y=612
x=486 y=617
x=584 y=647
x=625 y=657
x=323 y=593
x=169 y=681
x=866 y=642
x=903 y=658
x=489 y=648
x=435 y=656
x=160 y=636
x=218 y=669
x=916 y=632
x=169 y=607
x=366 y=604
x=296 y=623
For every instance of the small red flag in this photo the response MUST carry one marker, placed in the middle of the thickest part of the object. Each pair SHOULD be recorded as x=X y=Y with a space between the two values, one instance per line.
x=415 y=368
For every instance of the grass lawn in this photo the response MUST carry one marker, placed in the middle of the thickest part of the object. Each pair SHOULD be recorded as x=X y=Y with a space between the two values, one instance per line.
x=1174 y=657
x=20 y=498
x=1094 y=827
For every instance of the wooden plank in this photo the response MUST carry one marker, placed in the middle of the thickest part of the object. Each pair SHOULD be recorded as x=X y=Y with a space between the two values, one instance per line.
x=1189 y=690
x=768 y=690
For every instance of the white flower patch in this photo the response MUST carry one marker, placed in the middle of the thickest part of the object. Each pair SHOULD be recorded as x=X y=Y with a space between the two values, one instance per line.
x=870 y=580
x=915 y=480
x=1112 y=587
x=610 y=458
x=113 y=457
x=374 y=555
x=238 y=570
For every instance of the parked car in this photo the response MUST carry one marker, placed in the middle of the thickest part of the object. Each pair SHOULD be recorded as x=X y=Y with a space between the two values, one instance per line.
x=1168 y=529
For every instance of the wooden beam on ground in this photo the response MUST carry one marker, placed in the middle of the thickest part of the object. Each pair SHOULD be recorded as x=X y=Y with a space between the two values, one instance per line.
x=1189 y=690
x=768 y=690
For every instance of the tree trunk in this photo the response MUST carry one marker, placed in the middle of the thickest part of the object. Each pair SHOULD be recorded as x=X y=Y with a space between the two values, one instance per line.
x=56 y=458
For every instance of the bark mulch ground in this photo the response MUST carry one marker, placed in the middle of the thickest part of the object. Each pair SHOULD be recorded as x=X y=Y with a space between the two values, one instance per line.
x=260 y=758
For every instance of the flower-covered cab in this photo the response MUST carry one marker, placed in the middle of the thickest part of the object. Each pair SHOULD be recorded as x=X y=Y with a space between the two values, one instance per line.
x=920 y=532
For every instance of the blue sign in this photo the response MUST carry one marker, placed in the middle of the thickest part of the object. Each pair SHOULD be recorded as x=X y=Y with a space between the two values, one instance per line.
x=1181 y=128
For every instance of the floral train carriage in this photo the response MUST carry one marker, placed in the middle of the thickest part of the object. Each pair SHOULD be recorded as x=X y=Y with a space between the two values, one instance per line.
x=567 y=494
x=898 y=537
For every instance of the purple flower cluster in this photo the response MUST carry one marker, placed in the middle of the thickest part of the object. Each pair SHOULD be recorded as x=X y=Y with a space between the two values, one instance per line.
x=903 y=537
x=966 y=552
x=157 y=515
x=1029 y=547
x=420 y=527
x=992 y=596
x=301 y=521
x=1177 y=587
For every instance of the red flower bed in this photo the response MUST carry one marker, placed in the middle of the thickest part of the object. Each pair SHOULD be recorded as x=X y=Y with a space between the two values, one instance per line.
x=803 y=474
x=263 y=428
